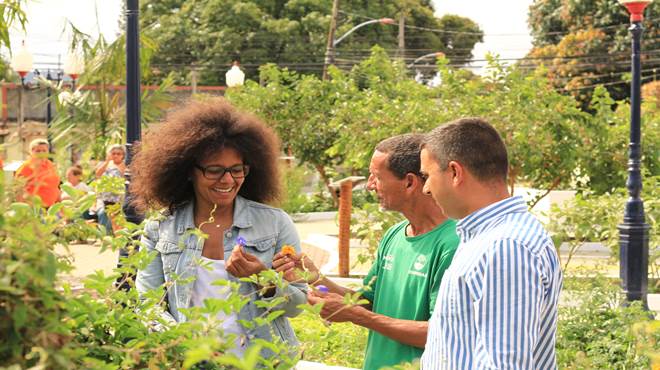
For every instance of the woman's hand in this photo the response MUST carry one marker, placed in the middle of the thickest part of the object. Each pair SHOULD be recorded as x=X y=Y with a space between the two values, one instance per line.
x=242 y=264
x=296 y=268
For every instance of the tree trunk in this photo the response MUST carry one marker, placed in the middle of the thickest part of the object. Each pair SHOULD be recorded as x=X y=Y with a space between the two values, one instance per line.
x=321 y=170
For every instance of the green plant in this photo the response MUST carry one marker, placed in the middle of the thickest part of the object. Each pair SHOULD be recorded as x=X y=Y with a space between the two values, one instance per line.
x=369 y=223
x=594 y=218
x=46 y=324
x=294 y=180
x=339 y=344
x=595 y=329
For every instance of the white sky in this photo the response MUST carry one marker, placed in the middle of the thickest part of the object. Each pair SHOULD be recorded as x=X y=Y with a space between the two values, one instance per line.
x=505 y=26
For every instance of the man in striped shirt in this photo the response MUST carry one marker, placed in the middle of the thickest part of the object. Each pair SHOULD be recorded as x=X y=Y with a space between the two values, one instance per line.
x=497 y=304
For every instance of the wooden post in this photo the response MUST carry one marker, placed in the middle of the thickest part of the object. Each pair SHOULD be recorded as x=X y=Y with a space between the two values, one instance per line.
x=345 y=205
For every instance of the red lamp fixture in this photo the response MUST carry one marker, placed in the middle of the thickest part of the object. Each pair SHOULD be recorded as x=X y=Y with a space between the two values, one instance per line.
x=635 y=8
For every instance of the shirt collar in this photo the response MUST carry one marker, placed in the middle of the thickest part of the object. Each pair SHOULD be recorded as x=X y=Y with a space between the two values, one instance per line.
x=242 y=216
x=477 y=221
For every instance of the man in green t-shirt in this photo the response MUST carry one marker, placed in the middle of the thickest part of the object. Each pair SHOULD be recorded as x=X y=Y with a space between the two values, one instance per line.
x=403 y=282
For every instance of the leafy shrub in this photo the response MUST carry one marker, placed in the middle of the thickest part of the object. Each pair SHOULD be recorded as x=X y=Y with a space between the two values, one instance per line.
x=594 y=218
x=46 y=324
x=340 y=344
x=595 y=329
x=369 y=223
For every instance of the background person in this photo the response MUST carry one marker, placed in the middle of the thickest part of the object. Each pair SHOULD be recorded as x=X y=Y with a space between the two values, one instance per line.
x=404 y=279
x=497 y=305
x=113 y=166
x=74 y=176
x=214 y=168
x=40 y=175
x=74 y=180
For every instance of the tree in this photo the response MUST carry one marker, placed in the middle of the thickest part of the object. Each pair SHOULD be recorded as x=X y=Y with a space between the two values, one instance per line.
x=334 y=125
x=10 y=13
x=97 y=116
x=585 y=43
x=207 y=35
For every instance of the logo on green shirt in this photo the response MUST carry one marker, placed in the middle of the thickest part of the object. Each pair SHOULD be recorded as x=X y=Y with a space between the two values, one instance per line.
x=420 y=262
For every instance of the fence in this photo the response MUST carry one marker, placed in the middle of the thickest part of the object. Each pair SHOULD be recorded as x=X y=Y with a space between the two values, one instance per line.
x=35 y=97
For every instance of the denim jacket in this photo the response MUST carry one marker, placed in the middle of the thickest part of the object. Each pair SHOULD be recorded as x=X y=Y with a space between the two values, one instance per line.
x=265 y=230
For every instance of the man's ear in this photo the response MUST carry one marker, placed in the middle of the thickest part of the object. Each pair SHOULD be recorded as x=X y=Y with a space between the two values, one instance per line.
x=457 y=172
x=410 y=180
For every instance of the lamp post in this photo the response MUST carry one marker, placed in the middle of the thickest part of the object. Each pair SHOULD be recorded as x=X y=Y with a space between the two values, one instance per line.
x=21 y=62
x=633 y=231
x=74 y=67
x=437 y=54
x=133 y=129
x=234 y=76
x=330 y=51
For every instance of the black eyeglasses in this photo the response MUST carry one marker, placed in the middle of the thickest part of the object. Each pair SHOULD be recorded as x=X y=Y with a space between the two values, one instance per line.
x=217 y=172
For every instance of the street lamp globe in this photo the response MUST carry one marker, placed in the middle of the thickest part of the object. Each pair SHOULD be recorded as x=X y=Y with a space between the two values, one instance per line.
x=235 y=77
x=21 y=62
x=635 y=8
x=74 y=65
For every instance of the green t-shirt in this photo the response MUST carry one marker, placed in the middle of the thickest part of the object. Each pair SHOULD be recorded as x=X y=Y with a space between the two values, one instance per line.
x=405 y=279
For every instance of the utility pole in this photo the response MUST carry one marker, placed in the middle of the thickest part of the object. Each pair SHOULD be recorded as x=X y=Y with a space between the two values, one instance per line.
x=330 y=48
x=193 y=79
x=402 y=40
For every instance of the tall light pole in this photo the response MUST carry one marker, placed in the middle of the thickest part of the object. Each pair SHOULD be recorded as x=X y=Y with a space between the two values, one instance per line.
x=21 y=62
x=133 y=129
x=330 y=51
x=634 y=231
x=133 y=133
x=133 y=120
x=437 y=54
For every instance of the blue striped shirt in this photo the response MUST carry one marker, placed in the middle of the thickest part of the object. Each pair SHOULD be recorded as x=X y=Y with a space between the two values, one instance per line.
x=497 y=304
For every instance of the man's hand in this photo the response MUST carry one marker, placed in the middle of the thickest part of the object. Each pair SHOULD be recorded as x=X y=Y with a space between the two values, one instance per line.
x=334 y=309
x=296 y=268
x=242 y=264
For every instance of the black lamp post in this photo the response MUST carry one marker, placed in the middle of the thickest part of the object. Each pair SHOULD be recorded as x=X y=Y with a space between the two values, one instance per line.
x=133 y=133
x=634 y=231
x=132 y=121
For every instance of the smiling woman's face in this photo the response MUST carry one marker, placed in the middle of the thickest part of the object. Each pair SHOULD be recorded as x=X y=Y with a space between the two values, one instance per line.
x=222 y=191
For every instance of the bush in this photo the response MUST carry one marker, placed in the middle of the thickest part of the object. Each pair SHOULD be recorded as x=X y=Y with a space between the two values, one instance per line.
x=594 y=218
x=45 y=324
x=595 y=329
x=369 y=223
x=340 y=344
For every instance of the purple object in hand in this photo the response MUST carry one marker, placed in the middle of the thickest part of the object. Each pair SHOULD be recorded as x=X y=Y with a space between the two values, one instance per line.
x=322 y=288
x=240 y=241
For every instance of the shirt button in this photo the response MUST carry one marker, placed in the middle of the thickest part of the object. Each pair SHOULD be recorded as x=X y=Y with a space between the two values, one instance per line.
x=229 y=234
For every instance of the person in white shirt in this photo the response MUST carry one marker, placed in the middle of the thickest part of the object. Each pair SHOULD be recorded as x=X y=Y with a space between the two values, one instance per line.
x=74 y=180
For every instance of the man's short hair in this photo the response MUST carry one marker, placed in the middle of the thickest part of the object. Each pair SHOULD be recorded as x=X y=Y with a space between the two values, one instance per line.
x=36 y=142
x=472 y=142
x=403 y=153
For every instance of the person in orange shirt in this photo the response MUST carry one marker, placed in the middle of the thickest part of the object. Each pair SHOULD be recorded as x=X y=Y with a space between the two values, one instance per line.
x=40 y=174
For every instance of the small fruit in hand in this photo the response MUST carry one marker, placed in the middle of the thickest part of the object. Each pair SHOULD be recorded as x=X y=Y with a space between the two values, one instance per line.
x=288 y=250
x=322 y=289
